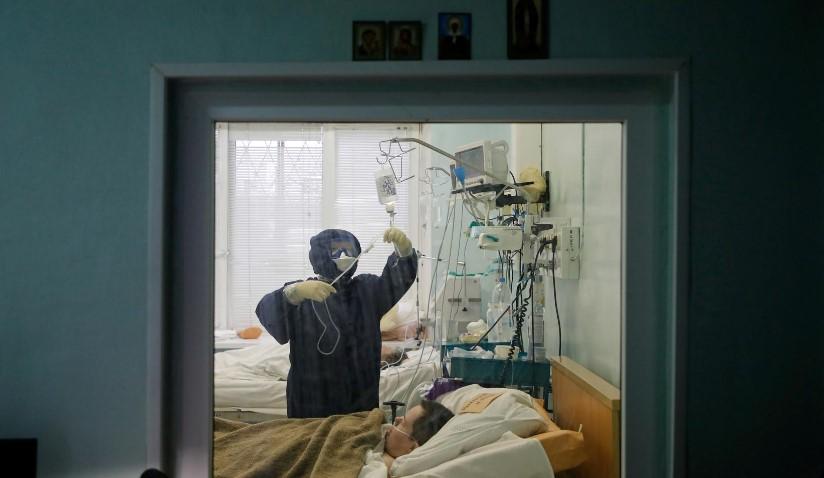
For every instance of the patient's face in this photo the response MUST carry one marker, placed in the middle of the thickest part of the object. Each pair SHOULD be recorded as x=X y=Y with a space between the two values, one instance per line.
x=391 y=355
x=399 y=440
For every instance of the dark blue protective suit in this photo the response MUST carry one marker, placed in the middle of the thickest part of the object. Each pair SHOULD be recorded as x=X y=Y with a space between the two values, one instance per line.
x=347 y=380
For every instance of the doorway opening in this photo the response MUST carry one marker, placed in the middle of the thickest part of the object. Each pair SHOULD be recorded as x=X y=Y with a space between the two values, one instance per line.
x=645 y=101
x=280 y=184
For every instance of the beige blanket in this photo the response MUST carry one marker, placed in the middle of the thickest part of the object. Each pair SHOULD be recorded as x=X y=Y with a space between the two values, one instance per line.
x=296 y=448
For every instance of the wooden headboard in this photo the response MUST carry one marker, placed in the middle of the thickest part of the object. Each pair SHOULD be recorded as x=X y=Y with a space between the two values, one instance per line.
x=582 y=399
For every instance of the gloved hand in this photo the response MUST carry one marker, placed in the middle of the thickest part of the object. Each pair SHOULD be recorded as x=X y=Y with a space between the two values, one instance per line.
x=311 y=289
x=402 y=243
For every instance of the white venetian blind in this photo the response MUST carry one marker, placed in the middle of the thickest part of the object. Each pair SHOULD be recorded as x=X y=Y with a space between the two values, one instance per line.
x=356 y=205
x=275 y=175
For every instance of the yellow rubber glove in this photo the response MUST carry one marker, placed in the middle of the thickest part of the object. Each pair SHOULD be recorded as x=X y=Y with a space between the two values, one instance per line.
x=311 y=289
x=402 y=243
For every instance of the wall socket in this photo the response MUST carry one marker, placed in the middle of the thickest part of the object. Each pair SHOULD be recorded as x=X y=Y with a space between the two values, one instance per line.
x=568 y=253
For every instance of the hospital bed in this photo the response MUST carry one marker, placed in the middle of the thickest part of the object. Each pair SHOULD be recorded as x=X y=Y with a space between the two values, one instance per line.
x=229 y=340
x=581 y=439
x=512 y=435
x=250 y=383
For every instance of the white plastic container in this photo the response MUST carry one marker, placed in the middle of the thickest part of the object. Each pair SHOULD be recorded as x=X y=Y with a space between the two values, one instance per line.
x=386 y=187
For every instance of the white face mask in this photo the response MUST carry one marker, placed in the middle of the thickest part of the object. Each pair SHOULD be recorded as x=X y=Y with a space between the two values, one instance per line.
x=343 y=262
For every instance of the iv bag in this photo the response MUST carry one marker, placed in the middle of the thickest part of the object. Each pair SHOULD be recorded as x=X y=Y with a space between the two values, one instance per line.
x=385 y=184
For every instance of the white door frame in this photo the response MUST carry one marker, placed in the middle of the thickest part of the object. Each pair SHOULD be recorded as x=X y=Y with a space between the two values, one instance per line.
x=650 y=98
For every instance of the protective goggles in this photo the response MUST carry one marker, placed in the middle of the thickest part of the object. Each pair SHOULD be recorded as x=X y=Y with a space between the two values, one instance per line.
x=337 y=249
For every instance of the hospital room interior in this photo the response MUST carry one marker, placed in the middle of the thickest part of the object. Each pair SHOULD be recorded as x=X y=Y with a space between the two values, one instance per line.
x=443 y=297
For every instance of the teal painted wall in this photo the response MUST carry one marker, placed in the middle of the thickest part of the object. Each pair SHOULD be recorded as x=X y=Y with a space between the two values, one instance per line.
x=74 y=86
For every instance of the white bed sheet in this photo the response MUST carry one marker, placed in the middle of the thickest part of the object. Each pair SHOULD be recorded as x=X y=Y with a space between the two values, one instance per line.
x=254 y=378
x=228 y=340
x=501 y=458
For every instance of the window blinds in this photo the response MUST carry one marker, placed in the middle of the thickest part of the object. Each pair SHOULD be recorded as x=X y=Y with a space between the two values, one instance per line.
x=356 y=203
x=275 y=200
x=275 y=187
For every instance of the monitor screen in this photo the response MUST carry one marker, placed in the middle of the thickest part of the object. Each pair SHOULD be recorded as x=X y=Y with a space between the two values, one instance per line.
x=474 y=159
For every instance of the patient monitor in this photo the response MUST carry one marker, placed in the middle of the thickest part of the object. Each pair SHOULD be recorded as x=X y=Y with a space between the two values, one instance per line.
x=482 y=162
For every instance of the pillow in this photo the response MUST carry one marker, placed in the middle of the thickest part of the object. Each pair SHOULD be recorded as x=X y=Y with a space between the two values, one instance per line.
x=252 y=332
x=400 y=315
x=503 y=410
x=390 y=319
x=267 y=359
x=509 y=456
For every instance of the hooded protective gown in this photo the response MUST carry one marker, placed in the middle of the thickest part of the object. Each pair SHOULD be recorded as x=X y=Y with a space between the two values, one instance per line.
x=345 y=381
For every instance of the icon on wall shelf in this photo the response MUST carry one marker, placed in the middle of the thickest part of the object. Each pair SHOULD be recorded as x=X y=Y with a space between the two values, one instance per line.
x=454 y=36
x=405 y=40
x=527 y=29
x=368 y=41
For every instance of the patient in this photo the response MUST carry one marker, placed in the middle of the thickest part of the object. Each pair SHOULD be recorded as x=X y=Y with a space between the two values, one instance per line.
x=401 y=323
x=392 y=356
x=412 y=430
x=308 y=447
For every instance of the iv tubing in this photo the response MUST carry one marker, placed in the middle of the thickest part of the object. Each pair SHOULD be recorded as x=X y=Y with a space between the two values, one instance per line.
x=328 y=313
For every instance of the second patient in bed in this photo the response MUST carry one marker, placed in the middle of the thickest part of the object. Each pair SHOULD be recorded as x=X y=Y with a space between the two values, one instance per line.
x=392 y=356
x=412 y=430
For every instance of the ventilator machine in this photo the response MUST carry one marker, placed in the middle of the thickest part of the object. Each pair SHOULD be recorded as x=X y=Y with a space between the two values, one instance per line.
x=523 y=247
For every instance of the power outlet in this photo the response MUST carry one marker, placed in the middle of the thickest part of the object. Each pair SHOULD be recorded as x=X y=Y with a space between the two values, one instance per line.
x=568 y=253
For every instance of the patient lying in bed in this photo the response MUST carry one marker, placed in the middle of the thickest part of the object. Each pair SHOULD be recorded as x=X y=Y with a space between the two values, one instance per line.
x=412 y=430
x=310 y=447
x=391 y=356
x=401 y=323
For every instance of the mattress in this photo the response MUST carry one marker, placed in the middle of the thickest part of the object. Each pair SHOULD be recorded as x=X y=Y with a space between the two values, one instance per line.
x=254 y=378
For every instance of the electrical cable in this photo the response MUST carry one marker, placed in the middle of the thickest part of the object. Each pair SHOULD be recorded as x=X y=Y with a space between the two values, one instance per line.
x=470 y=204
x=466 y=205
x=555 y=295
x=520 y=312
x=531 y=286
x=532 y=328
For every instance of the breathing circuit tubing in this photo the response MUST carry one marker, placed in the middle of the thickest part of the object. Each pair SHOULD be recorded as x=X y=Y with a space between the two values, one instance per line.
x=328 y=313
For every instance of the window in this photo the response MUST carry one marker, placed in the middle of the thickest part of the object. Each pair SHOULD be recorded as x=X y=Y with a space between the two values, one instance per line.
x=277 y=185
x=356 y=203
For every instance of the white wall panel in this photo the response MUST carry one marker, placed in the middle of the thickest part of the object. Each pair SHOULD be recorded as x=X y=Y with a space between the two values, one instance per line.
x=585 y=162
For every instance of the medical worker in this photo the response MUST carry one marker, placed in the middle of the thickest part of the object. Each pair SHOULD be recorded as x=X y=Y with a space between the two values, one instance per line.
x=334 y=331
